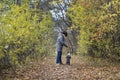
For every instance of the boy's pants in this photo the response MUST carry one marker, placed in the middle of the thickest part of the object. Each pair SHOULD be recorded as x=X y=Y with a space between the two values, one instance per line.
x=58 y=58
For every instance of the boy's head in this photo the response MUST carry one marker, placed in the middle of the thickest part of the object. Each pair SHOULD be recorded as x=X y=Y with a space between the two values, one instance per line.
x=68 y=53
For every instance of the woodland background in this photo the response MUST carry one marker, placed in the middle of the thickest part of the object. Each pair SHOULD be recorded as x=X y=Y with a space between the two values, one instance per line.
x=28 y=29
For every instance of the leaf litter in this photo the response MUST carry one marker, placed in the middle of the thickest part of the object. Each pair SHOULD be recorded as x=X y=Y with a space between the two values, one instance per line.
x=78 y=70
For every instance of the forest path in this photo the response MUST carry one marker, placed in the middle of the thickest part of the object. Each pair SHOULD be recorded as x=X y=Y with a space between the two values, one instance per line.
x=78 y=70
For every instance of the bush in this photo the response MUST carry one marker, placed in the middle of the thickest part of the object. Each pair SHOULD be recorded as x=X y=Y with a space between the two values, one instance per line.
x=25 y=34
x=99 y=27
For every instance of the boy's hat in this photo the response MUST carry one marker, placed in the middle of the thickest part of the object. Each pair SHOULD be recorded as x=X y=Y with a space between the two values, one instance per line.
x=68 y=54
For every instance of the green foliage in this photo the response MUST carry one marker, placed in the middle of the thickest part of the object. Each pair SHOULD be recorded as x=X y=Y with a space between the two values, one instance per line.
x=99 y=27
x=25 y=33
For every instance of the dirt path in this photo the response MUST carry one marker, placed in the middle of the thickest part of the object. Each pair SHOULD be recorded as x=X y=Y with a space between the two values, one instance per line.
x=78 y=70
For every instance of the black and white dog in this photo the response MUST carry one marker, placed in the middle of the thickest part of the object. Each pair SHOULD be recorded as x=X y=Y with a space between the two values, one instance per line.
x=68 y=57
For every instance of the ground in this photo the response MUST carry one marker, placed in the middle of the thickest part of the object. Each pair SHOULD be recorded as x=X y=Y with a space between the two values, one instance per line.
x=80 y=69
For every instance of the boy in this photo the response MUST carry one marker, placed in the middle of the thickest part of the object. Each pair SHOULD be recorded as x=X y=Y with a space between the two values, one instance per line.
x=68 y=57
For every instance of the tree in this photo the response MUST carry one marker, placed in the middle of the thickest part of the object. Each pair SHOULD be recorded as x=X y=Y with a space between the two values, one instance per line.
x=97 y=22
x=25 y=34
